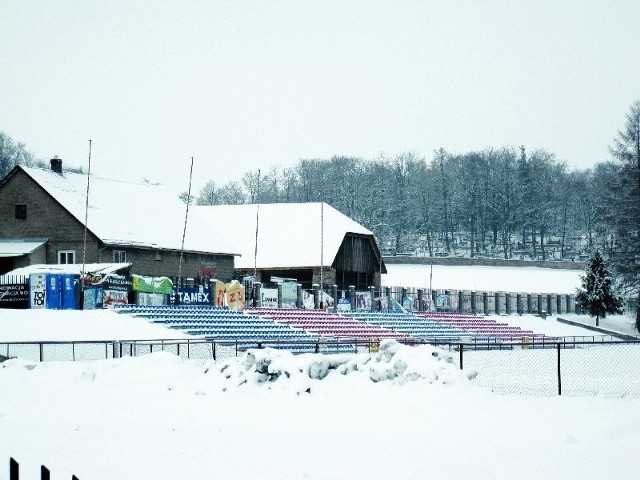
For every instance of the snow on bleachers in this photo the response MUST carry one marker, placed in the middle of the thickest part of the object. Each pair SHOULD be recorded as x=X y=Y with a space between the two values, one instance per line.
x=216 y=323
x=415 y=326
x=326 y=324
x=480 y=325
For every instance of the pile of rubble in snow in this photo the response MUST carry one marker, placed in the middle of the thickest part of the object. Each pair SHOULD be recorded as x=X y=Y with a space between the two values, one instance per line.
x=394 y=362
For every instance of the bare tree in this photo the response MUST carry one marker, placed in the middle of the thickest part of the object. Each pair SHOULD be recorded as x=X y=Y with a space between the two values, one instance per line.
x=208 y=195
x=231 y=194
x=13 y=153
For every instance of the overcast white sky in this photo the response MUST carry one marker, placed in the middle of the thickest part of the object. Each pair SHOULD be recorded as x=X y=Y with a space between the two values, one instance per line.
x=247 y=85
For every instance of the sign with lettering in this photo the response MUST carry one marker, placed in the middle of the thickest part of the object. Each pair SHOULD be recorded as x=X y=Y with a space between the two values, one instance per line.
x=14 y=295
x=37 y=290
x=192 y=296
x=235 y=296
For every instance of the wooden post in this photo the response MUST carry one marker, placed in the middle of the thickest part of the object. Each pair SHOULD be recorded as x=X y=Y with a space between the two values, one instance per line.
x=14 y=470
x=44 y=473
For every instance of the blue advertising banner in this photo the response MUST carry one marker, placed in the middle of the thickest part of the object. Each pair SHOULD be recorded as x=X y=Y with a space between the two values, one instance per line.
x=192 y=296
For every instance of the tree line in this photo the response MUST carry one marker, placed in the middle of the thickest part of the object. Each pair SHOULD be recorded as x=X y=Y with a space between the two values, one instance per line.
x=497 y=202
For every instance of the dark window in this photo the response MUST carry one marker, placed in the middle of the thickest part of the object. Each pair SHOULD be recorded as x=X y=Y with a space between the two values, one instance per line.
x=21 y=212
x=119 y=256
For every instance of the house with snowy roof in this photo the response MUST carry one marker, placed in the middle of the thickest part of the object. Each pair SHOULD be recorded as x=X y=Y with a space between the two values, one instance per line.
x=301 y=241
x=44 y=212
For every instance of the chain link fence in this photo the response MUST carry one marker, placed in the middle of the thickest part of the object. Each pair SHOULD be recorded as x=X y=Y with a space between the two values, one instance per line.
x=593 y=367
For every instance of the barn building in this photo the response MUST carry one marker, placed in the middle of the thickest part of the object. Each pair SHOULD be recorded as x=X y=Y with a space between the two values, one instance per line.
x=301 y=241
x=42 y=220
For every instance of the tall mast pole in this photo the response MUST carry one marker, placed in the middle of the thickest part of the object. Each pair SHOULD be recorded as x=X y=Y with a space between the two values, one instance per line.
x=184 y=230
x=86 y=220
x=321 y=247
x=255 y=250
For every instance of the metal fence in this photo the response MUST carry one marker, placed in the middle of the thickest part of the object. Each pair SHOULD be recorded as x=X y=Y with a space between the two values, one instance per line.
x=577 y=366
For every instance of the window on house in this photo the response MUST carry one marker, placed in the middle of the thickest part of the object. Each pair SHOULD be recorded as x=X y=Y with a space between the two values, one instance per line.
x=66 y=256
x=21 y=212
x=119 y=256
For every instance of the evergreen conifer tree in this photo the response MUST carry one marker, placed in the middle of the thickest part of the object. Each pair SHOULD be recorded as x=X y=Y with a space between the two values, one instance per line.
x=597 y=295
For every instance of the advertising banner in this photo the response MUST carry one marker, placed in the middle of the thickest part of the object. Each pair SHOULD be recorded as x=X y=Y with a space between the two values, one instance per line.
x=192 y=296
x=235 y=296
x=289 y=294
x=92 y=298
x=363 y=301
x=37 y=290
x=221 y=289
x=269 y=297
x=114 y=297
x=151 y=298
x=15 y=295
x=162 y=285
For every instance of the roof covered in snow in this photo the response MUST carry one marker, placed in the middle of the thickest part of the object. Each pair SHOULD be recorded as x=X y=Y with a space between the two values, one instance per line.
x=126 y=213
x=290 y=235
x=17 y=248
x=72 y=268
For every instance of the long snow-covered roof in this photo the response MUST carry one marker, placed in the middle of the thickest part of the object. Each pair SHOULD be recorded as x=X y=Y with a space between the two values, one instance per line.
x=71 y=268
x=290 y=235
x=131 y=214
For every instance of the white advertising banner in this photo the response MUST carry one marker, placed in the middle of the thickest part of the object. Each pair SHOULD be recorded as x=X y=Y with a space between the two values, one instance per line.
x=37 y=290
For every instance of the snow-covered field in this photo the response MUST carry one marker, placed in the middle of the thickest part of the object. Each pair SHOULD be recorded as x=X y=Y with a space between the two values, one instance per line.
x=402 y=413
x=481 y=278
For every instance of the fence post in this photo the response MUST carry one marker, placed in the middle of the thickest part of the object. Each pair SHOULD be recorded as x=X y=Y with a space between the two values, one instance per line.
x=485 y=302
x=14 y=469
x=540 y=305
x=529 y=305
x=559 y=378
x=473 y=302
x=41 y=352
x=298 y=295
x=460 y=301
x=352 y=297
x=519 y=303
x=44 y=473
x=461 y=348
x=420 y=299
x=372 y=295
x=334 y=294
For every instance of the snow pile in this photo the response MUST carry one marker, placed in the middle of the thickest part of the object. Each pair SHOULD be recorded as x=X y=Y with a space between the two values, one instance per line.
x=282 y=370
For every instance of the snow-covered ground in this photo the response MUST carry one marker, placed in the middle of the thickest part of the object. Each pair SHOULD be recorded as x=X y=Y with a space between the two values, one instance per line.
x=482 y=278
x=405 y=414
